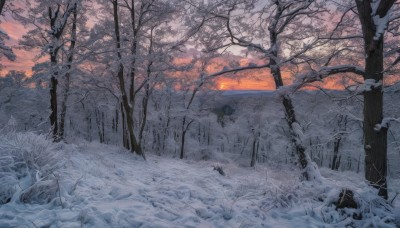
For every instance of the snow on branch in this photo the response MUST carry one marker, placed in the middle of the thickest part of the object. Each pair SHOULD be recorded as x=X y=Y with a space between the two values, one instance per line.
x=385 y=123
x=381 y=14
x=238 y=69
x=319 y=75
x=369 y=85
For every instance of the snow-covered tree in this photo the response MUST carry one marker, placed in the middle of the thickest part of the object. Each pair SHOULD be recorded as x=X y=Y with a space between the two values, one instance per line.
x=49 y=20
x=280 y=33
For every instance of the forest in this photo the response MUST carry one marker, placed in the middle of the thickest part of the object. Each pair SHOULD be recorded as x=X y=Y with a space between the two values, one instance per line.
x=200 y=113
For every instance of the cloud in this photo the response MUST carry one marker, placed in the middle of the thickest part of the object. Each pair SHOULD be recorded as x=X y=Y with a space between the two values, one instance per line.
x=14 y=29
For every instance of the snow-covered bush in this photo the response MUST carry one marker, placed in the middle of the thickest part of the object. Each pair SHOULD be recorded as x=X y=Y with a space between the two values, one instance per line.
x=27 y=165
x=370 y=210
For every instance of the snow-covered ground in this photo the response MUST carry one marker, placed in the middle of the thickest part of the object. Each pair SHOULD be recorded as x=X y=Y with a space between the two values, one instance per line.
x=106 y=186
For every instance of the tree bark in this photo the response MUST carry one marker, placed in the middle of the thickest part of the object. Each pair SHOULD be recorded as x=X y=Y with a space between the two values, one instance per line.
x=375 y=141
x=53 y=106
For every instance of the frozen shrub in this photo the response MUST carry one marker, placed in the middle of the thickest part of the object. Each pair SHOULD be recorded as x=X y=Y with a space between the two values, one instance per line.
x=7 y=189
x=41 y=192
x=27 y=163
x=361 y=208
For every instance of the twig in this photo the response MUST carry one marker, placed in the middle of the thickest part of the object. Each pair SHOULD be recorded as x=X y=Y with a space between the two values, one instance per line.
x=76 y=183
x=391 y=202
x=59 y=192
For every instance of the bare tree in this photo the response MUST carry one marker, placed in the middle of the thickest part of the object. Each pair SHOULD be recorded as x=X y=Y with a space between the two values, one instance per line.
x=374 y=18
x=134 y=145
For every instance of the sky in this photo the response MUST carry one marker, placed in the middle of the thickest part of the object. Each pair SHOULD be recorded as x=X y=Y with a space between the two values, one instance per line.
x=26 y=60
x=249 y=80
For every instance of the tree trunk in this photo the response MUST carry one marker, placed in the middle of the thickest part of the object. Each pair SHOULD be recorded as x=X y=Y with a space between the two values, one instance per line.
x=166 y=127
x=53 y=94
x=68 y=77
x=342 y=123
x=2 y=3
x=61 y=131
x=134 y=146
x=286 y=100
x=145 y=102
x=99 y=125
x=123 y=119
x=185 y=128
x=254 y=153
x=289 y=110
x=291 y=120
x=375 y=141
x=116 y=120
x=133 y=53
x=182 y=145
x=336 y=159
x=57 y=28
x=53 y=106
x=183 y=138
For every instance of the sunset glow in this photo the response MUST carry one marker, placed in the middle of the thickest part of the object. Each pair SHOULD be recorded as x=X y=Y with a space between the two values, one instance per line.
x=248 y=80
x=25 y=59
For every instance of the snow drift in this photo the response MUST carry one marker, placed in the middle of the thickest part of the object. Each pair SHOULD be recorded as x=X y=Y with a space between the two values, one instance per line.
x=95 y=185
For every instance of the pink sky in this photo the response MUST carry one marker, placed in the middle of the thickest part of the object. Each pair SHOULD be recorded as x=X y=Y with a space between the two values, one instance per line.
x=24 y=61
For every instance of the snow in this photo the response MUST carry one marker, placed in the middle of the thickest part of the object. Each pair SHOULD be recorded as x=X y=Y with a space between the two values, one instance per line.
x=106 y=186
x=370 y=84
x=385 y=123
x=381 y=23
x=298 y=131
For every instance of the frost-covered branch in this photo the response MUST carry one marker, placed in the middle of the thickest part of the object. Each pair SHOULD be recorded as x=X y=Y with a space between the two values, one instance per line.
x=369 y=85
x=324 y=72
x=381 y=15
x=238 y=69
x=385 y=123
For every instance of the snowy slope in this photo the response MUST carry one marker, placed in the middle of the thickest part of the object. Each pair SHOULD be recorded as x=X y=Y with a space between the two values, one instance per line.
x=106 y=186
